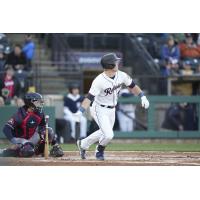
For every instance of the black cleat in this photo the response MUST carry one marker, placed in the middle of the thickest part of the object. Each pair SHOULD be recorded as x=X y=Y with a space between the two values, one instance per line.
x=81 y=150
x=100 y=152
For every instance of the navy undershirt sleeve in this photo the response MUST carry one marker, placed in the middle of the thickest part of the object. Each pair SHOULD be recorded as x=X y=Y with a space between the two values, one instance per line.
x=132 y=85
x=90 y=97
x=8 y=132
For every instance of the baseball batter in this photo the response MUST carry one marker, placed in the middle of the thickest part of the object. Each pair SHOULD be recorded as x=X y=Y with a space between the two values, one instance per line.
x=104 y=95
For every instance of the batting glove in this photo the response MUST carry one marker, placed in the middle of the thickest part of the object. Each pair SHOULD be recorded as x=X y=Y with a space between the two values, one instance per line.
x=145 y=102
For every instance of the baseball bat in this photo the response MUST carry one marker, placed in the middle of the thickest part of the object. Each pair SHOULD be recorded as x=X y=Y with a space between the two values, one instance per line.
x=46 y=146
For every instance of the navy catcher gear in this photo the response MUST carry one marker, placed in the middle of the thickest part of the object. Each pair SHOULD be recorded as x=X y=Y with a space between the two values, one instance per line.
x=27 y=150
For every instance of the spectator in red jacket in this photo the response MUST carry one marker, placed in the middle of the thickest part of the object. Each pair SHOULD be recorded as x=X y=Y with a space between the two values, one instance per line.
x=190 y=53
x=189 y=49
x=9 y=85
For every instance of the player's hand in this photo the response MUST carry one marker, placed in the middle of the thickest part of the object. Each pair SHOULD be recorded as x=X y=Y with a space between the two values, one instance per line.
x=42 y=135
x=144 y=102
x=78 y=115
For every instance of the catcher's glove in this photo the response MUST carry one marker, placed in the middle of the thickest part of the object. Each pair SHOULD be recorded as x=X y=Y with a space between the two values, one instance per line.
x=56 y=151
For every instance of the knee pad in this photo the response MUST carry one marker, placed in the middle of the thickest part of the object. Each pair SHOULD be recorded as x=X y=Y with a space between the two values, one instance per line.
x=27 y=150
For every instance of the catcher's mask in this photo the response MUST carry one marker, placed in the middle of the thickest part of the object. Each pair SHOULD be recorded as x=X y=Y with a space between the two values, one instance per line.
x=34 y=100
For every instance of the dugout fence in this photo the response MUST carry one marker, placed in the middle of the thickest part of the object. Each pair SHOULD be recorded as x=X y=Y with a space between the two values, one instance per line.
x=151 y=131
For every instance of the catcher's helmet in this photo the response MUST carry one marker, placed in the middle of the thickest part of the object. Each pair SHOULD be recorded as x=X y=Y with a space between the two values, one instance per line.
x=108 y=61
x=34 y=100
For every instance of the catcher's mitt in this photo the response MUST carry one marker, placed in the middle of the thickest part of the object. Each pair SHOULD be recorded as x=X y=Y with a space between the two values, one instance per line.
x=56 y=151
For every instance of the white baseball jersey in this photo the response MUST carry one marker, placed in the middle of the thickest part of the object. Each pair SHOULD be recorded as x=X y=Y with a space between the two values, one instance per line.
x=106 y=92
x=106 y=89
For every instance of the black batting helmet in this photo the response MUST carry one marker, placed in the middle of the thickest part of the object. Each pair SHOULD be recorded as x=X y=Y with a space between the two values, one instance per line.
x=108 y=61
x=30 y=100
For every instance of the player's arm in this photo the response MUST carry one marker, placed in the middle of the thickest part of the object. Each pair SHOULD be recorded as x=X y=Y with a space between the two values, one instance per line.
x=136 y=90
x=9 y=129
x=41 y=126
x=86 y=102
x=94 y=91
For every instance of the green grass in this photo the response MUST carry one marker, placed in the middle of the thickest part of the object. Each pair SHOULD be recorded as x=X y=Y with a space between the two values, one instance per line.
x=138 y=147
x=142 y=147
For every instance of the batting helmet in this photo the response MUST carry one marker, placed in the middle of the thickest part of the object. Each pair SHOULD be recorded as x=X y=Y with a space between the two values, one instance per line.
x=108 y=61
x=30 y=100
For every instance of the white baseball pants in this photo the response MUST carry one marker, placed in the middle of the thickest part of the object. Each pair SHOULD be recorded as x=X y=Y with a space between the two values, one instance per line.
x=105 y=118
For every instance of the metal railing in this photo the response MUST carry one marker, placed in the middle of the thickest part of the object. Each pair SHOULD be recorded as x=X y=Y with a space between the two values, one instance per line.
x=70 y=71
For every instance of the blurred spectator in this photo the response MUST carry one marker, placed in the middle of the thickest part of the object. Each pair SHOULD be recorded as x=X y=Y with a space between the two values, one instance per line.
x=190 y=52
x=56 y=46
x=189 y=68
x=178 y=37
x=19 y=102
x=71 y=104
x=170 y=55
x=29 y=49
x=4 y=51
x=180 y=117
x=17 y=59
x=2 y=60
x=126 y=113
x=9 y=85
x=1 y=101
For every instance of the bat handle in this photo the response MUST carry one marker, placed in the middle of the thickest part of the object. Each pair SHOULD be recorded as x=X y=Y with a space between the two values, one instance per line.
x=47 y=120
x=46 y=150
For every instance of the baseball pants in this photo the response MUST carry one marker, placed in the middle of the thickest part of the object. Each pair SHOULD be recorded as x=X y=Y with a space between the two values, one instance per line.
x=105 y=118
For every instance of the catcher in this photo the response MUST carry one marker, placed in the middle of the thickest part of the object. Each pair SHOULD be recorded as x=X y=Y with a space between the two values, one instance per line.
x=26 y=130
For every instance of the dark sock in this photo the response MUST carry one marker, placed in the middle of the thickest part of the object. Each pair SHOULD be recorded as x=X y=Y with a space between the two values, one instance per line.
x=100 y=148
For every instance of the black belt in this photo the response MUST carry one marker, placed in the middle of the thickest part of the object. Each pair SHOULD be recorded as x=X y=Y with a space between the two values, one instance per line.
x=107 y=106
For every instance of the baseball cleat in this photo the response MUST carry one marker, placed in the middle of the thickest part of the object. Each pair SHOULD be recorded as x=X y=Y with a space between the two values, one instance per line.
x=81 y=150
x=100 y=152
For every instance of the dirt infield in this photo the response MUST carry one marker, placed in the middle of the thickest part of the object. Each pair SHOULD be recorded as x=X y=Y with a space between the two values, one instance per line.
x=113 y=158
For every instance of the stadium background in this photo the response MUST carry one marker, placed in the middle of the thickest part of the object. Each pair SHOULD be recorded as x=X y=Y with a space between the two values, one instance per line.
x=61 y=59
